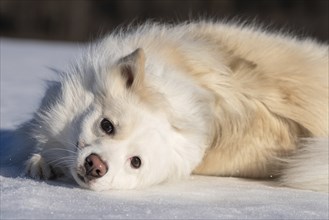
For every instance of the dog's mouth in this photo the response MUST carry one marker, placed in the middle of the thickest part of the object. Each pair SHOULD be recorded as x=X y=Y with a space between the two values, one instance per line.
x=79 y=175
x=82 y=178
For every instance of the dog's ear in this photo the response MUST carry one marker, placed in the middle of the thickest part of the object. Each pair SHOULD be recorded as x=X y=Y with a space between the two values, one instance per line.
x=132 y=68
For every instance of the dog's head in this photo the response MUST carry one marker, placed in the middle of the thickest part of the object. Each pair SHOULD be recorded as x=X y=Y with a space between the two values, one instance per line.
x=124 y=131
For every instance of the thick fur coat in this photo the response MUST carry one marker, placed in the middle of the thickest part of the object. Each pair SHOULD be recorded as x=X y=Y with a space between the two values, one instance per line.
x=159 y=102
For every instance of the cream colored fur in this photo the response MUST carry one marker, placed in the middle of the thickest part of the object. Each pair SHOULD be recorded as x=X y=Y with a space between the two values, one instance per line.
x=231 y=100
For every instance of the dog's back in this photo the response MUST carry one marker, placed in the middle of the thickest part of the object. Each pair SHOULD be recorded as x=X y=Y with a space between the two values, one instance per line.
x=272 y=104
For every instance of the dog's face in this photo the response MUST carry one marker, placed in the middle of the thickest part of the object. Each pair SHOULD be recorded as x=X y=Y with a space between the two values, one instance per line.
x=121 y=146
x=123 y=134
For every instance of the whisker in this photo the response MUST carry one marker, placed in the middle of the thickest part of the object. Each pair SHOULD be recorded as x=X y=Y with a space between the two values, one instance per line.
x=72 y=144
x=77 y=149
x=62 y=165
x=62 y=159
x=66 y=163
x=60 y=149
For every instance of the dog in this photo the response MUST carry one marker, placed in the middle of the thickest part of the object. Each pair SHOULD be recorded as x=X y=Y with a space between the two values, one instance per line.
x=157 y=102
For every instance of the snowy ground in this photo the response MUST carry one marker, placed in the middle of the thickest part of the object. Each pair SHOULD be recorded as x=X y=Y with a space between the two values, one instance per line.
x=24 y=68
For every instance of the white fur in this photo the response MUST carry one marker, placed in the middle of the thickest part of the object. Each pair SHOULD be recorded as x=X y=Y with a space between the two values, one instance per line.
x=208 y=98
x=308 y=168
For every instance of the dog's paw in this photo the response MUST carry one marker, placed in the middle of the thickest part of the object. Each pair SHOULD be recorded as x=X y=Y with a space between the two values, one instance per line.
x=37 y=168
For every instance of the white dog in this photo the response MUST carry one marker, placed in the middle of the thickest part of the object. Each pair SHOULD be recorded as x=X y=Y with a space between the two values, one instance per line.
x=158 y=102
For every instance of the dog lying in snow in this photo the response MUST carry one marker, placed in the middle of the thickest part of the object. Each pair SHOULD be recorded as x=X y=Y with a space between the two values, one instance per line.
x=159 y=102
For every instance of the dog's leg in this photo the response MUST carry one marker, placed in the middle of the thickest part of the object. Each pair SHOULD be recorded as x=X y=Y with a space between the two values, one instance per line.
x=37 y=168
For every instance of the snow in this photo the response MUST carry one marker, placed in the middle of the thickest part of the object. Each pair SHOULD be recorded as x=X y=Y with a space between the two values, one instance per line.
x=24 y=69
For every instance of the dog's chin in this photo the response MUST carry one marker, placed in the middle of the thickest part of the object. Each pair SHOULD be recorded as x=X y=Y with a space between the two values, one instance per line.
x=99 y=184
x=87 y=184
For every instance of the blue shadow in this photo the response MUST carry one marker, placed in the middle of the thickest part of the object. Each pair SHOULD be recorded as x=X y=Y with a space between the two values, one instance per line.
x=11 y=157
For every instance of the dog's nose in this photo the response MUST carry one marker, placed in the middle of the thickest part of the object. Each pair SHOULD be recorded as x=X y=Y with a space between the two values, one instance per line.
x=95 y=167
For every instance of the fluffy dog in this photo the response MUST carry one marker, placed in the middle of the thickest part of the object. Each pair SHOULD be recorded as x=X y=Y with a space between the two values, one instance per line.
x=158 y=102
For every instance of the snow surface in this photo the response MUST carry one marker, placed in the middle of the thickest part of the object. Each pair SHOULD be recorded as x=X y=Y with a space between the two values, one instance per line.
x=24 y=69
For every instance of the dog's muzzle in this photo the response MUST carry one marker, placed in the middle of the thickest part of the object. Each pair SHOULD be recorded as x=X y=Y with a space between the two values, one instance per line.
x=94 y=167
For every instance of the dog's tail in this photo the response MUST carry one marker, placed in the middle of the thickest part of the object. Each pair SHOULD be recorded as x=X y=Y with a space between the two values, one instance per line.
x=308 y=168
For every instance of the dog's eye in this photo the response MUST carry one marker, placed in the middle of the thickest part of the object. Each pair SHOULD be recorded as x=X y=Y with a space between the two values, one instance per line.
x=107 y=126
x=135 y=162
